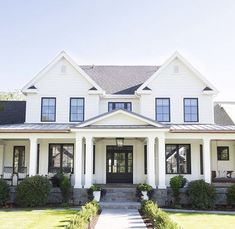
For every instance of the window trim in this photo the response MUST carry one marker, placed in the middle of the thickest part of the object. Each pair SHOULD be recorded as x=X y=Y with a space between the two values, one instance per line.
x=190 y=162
x=83 y=117
x=54 y=120
x=197 y=110
x=225 y=147
x=169 y=99
x=61 y=158
x=119 y=102
x=201 y=160
x=145 y=160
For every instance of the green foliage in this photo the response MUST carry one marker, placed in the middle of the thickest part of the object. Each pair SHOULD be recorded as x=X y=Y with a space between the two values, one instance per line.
x=144 y=187
x=95 y=187
x=201 y=194
x=4 y=192
x=33 y=191
x=16 y=95
x=176 y=183
x=65 y=188
x=158 y=218
x=231 y=195
x=84 y=216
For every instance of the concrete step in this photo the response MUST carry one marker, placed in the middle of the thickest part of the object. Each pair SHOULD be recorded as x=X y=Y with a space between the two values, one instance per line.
x=120 y=205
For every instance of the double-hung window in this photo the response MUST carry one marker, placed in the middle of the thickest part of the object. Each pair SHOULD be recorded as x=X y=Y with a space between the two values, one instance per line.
x=178 y=159
x=48 y=109
x=163 y=109
x=119 y=105
x=191 y=110
x=76 y=110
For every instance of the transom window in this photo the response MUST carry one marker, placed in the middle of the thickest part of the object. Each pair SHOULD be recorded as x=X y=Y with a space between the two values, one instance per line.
x=178 y=159
x=48 y=109
x=163 y=109
x=119 y=105
x=61 y=158
x=191 y=110
x=76 y=109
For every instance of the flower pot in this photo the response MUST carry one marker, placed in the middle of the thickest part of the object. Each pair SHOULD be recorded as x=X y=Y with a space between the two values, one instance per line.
x=97 y=195
x=145 y=195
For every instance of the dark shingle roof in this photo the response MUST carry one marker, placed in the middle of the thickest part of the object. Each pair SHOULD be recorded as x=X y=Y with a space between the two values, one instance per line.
x=12 y=112
x=221 y=116
x=120 y=79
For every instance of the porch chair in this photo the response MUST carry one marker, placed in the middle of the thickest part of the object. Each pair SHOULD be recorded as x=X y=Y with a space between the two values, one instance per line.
x=22 y=174
x=8 y=175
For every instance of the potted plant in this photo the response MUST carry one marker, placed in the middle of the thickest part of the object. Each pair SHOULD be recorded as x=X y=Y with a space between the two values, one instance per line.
x=94 y=192
x=144 y=191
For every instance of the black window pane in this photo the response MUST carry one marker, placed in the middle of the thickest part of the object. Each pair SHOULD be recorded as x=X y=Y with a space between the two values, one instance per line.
x=48 y=110
x=191 y=110
x=18 y=158
x=119 y=105
x=163 y=109
x=171 y=159
x=76 y=109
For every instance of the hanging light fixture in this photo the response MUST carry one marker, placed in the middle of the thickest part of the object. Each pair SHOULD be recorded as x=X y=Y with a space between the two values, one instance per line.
x=120 y=142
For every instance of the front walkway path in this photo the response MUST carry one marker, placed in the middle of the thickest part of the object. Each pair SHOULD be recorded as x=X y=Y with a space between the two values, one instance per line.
x=120 y=218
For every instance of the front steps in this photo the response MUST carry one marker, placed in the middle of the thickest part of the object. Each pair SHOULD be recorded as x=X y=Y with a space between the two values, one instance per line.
x=119 y=196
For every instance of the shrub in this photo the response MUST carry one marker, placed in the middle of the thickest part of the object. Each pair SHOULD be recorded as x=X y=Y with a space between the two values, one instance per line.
x=4 y=192
x=65 y=188
x=157 y=217
x=94 y=188
x=176 y=183
x=33 y=191
x=84 y=216
x=144 y=187
x=201 y=194
x=231 y=195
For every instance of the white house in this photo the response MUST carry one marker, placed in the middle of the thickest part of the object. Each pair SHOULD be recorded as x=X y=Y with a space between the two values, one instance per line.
x=119 y=124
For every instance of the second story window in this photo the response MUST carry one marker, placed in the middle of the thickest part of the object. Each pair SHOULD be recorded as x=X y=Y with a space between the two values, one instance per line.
x=119 y=105
x=76 y=110
x=48 y=109
x=191 y=110
x=163 y=109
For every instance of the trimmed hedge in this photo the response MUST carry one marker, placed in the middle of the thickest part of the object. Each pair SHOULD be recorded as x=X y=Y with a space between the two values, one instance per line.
x=84 y=216
x=201 y=194
x=33 y=191
x=176 y=183
x=231 y=195
x=157 y=217
x=4 y=192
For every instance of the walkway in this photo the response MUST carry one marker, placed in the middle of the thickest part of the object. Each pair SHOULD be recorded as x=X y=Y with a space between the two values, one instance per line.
x=120 y=218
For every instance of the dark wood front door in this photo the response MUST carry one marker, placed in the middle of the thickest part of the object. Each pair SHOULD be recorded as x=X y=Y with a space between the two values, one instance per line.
x=119 y=164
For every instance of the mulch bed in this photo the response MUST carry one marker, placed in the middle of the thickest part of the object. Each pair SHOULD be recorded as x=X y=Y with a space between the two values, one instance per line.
x=146 y=220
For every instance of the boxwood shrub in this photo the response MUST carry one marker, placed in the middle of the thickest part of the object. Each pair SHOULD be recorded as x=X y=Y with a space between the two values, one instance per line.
x=84 y=216
x=4 y=192
x=201 y=194
x=33 y=191
x=231 y=195
x=176 y=183
x=157 y=217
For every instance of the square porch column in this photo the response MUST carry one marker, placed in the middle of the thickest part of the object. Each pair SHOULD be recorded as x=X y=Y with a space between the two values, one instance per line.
x=207 y=159
x=1 y=158
x=161 y=163
x=150 y=162
x=78 y=162
x=89 y=162
x=33 y=157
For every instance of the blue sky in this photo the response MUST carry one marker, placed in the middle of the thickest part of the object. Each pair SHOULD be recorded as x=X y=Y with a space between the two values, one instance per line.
x=128 y=32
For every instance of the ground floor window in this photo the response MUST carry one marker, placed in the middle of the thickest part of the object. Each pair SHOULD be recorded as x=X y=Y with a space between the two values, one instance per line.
x=145 y=159
x=61 y=158
x=18 y=158
x=178 y=159
x=223 y=153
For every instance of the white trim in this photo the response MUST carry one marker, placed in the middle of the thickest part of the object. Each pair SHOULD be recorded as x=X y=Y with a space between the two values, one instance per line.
x=61 y=55
x=184 y=61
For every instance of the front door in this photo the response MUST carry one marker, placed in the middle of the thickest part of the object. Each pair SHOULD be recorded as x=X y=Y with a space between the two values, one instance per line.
x=119 y=164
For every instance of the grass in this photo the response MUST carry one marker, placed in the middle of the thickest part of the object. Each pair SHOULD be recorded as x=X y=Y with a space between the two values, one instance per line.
x=203 y=221
x=28 y=219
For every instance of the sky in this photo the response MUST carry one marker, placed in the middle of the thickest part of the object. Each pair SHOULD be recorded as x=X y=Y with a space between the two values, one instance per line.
x=123 y=32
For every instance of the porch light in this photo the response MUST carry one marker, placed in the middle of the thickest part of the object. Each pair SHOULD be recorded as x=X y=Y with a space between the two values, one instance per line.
x=120 y=142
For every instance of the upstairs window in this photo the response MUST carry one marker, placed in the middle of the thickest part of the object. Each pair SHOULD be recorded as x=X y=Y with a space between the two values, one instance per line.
x=76 y=110
x=119 y=105
x=191 y=110
x=163 y=109
x=48 y=109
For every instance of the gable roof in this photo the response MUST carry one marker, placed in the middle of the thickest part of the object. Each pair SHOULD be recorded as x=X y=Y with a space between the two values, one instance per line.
x=92 y=121
x=120 y=79
x=176 y=55
x=12 y=112
x=30 y=85
x=224 y=113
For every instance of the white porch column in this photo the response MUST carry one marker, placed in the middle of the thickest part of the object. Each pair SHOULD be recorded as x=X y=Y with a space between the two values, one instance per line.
x=89 y=162
x=150 y=162
x=33 y=157
x=78 y=162
x=207 y=159
x=161 y=163
x=1 y=158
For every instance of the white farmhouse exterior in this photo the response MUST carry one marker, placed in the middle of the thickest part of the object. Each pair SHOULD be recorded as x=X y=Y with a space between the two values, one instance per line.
x=120 y=124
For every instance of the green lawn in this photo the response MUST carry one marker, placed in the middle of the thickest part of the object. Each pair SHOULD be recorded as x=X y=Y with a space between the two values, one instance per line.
x=27 y=219
x=203 y=221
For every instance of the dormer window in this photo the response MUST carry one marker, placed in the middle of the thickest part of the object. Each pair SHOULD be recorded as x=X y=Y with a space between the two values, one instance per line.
x=119 y=105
